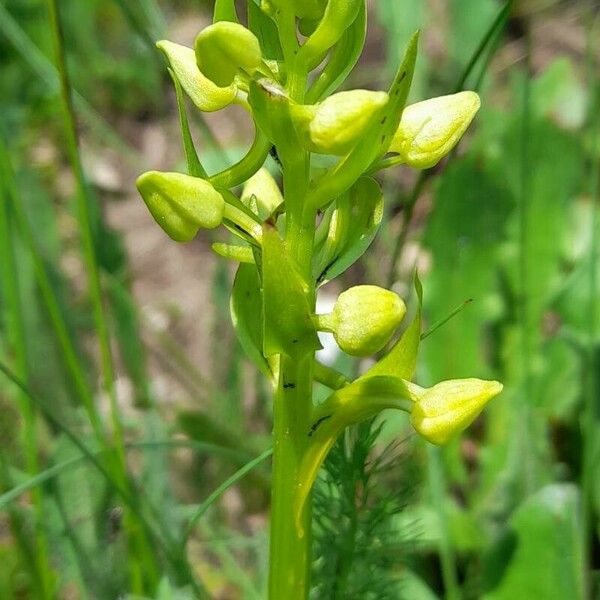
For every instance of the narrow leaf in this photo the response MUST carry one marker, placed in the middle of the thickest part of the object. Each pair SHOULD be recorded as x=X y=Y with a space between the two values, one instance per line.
x=194 y=166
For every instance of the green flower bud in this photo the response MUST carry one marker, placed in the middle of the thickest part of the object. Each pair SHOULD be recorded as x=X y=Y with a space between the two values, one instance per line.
x=448 y=408
x=262 y=194
x=207 y=96
x=223 y=48
x=338 y=122
x=363 y=319
x=181 y=204
x=430 y=129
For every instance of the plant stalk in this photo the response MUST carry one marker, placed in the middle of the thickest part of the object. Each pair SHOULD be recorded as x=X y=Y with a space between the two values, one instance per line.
x=290 y=545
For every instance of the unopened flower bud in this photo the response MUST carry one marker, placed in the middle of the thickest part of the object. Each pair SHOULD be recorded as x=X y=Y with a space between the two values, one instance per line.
x=225 y=47
x=363 y=319
x=448 y=408
x=336 y=124
x=181 y=204
x=430 y=129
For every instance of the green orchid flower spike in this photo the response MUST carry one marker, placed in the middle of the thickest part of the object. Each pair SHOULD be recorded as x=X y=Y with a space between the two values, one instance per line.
x=292 y=234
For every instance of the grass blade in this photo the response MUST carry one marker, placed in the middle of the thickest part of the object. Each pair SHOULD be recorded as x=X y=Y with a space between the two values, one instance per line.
x=216 y=494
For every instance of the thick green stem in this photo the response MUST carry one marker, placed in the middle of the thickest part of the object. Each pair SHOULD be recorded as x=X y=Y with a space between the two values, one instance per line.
x=290 y=544
x=290 y=551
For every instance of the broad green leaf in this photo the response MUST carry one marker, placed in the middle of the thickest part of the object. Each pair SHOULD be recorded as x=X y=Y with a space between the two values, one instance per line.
x=288 y=324
x=194 y=167
x=413 y=587
x=354 y=223
x=246 y=314
x=539 y=555
x=401 y=360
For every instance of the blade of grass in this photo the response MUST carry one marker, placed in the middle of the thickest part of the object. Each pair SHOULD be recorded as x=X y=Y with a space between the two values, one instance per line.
x=443 y=321
x=69 y=353
x=84 y=201
x=217 y=493
x=55 y=470
x=16 y=337
x=496 y=26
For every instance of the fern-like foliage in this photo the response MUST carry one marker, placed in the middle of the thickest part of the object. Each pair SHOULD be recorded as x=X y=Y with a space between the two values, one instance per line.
x=359 y=553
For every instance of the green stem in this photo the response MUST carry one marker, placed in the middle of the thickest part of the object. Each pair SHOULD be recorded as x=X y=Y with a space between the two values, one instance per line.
x=290 y=544
x=290 y=549
x=437 y=489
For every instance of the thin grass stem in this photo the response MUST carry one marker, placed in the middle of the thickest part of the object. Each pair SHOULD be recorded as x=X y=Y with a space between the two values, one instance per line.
x=17 y=340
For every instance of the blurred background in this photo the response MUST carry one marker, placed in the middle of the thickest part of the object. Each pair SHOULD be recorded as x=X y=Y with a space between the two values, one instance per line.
x=504 y=235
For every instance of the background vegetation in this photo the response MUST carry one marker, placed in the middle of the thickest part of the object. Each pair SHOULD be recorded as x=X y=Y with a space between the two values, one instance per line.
x=134 y=434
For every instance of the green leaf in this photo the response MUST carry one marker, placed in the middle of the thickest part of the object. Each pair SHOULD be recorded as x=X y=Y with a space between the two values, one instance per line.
x=265 y=29
x=246 y=314
x=288 y=324
x=401 y=360
x=194 y=167
x=353 y=226
x=539 y=556
x=221 y=489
